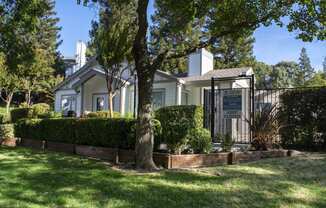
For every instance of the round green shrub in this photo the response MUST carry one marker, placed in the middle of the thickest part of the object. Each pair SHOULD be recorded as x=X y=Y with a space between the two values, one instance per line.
x=176 y=122
x=39 y=109
x=200 y=140
x=6 y=131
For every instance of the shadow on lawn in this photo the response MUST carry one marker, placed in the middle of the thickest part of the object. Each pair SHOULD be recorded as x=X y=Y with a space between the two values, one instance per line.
x=58 y=180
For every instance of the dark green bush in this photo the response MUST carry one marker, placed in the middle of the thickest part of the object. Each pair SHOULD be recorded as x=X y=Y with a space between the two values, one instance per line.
x=200 y=140
x=226 y=142
x=20 y=113
x=29 y=128
x=304 y=113
x=102 y=114
x=115 y=133
x=176 y=122
x=95 y=132
x=6 y=131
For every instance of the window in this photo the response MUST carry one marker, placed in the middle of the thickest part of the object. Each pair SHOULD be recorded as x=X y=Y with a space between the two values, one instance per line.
x=99 y=103
x=158 y=98
x=68 y=103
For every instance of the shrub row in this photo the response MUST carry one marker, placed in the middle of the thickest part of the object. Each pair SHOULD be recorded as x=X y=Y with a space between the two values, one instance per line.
x=304 y=114
x=114 y=133
x=40 y=110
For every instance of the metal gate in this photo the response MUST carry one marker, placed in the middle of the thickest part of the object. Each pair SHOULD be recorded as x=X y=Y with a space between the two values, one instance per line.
x=229 y=111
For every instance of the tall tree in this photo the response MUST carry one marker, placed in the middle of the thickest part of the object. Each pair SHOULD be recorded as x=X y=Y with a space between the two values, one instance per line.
x=222 y=18
x=44 y=42
x=9 y=83
x=234 y=51
x=18 y=21
x=307 y=71
x=112 y=44
x=263 y=75
x=285 y=74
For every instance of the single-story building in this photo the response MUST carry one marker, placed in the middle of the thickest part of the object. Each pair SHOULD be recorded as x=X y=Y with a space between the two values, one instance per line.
x=85 y=89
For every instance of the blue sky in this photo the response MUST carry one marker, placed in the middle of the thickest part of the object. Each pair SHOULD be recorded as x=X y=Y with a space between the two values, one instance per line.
x=273 y=44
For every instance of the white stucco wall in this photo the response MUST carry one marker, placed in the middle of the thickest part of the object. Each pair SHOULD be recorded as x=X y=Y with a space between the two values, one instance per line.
x=97 y=86
x=58 y=96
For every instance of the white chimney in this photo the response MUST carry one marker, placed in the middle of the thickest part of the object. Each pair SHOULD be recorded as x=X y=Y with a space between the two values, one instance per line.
x=200 y=62
x=80 y=55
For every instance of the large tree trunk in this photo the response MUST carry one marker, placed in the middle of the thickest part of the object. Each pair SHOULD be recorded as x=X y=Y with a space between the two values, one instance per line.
x=145 y=135
x=145 y=74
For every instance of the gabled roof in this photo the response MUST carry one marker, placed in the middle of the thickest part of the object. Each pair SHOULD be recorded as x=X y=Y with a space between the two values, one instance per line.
x=86 y=67
x=220 y=73
x=92 y=68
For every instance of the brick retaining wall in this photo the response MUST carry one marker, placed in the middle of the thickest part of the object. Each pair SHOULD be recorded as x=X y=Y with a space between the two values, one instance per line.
x=161 y=159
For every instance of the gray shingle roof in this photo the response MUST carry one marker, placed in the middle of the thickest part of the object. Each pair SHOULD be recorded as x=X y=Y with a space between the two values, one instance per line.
x=221 y=73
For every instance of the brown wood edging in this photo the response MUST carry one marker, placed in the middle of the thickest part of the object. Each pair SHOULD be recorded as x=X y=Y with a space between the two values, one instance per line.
x=164 y=160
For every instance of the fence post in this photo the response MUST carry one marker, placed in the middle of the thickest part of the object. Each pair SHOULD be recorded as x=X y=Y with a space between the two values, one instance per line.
x=253 y=103
x=212 y=108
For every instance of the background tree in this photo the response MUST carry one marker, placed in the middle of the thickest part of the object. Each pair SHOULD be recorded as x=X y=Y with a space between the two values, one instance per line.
x=8 y=83
x=18 y=21
x=222 y=18
x=307 y=71
x=284 y=74
x=318 y=80
x=234 y=51
x=262 y=75
x=112 y=44
x=44 y=42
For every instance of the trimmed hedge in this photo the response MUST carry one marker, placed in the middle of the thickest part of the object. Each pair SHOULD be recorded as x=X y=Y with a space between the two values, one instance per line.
x=176 y=122
x=114 y=133
x=20 y=113
x=35 y=111
x=102 y=114
x=304 y=113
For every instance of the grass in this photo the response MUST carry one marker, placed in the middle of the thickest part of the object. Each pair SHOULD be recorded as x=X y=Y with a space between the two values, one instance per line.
x=36 y=179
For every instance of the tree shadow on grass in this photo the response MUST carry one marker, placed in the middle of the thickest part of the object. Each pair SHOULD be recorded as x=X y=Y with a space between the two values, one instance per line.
x=58 y=180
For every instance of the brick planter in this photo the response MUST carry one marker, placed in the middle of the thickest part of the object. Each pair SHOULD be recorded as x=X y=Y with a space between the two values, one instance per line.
x=274 y=153
x=199 y=160
x=32 y=143
x=60 y=147
x=161 y=159
x=239 y=157
x=103 y=153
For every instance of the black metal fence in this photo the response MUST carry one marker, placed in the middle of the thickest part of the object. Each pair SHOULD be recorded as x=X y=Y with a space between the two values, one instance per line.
x=231 y=111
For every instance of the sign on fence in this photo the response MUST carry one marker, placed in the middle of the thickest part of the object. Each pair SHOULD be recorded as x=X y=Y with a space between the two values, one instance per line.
x=232 y=103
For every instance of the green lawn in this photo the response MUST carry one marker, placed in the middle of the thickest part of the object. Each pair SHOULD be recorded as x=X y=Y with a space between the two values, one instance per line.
x=35 y=179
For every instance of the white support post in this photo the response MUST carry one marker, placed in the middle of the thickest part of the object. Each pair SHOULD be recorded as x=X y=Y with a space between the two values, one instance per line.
x=179 y=94
x=123 y=100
